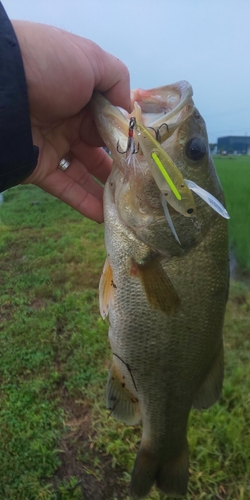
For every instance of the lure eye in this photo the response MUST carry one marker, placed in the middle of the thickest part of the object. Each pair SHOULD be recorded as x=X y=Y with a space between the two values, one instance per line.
x=190 y=210
x=196 y=149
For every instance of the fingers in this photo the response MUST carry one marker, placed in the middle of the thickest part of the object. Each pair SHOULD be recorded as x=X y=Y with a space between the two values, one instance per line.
x=96 y=160
x=80 y=175
x=76 y=185
x=111 y=76
x=75 y=66
x=113 y=80
x=62 y=186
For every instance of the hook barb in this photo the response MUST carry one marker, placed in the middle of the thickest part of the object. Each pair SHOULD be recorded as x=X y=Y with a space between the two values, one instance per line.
x=131 y=142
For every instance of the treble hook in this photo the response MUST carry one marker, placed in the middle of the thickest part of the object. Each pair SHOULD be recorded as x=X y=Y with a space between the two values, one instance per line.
x=131 y=142
x=157 y=131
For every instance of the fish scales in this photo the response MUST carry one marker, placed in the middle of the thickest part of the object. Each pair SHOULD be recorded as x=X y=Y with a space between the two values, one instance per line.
x=167 y=353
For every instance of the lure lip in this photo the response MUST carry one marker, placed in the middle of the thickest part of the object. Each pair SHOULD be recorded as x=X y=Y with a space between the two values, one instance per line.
x=215 y=204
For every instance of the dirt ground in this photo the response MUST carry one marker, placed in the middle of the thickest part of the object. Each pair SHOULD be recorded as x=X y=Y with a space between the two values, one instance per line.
x=97 y=478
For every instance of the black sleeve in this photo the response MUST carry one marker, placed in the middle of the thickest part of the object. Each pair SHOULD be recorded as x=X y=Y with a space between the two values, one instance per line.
x=18 y=156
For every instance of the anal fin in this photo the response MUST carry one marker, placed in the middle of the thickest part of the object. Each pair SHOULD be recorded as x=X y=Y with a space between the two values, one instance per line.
x=210 y=389
x=123 y=405
x=159 y=289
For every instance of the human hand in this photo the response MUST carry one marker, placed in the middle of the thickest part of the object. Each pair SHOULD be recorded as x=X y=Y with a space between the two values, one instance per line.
x=62 y=70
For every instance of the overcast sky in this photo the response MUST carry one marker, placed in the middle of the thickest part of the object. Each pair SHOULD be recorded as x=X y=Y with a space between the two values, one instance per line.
x=206 y=42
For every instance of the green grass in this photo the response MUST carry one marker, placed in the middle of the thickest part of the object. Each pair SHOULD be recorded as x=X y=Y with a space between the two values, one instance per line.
x=234 y=173
x=57 y=442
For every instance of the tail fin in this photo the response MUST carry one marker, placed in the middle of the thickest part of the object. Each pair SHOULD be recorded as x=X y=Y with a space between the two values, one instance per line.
x=171 y=475
x=144 y=473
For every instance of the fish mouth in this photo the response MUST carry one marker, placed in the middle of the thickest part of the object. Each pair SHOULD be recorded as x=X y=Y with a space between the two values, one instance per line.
x=169 y=105
x=163 y=108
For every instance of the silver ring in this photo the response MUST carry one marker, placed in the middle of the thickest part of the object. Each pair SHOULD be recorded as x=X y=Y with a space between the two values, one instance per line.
x=64 y=163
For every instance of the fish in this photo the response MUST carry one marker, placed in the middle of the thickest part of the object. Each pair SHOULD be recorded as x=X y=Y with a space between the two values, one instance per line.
x=165 y=299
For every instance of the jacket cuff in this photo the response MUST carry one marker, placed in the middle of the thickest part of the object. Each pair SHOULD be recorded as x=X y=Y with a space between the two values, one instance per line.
x=18 y=156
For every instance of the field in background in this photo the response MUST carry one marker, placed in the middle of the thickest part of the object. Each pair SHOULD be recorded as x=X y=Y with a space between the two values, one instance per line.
x=57 y=441
x=234 y=172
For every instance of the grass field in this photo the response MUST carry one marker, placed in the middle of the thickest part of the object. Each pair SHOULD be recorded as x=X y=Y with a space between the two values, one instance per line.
x=57 y=441
x=234 y=173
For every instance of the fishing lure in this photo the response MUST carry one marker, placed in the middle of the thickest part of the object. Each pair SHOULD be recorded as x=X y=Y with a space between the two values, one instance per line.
x=166 y=175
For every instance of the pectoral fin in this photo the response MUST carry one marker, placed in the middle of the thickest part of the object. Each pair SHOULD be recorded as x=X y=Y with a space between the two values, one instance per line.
x=106 y=289
x=122 y=404
x=210 y=390
x=160 y=292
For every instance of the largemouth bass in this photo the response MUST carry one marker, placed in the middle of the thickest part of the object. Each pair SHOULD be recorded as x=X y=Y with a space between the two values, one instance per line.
x=165 y=298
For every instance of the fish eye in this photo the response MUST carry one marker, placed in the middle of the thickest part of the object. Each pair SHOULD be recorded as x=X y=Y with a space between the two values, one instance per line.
x=196 y=149
x=190 y=210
